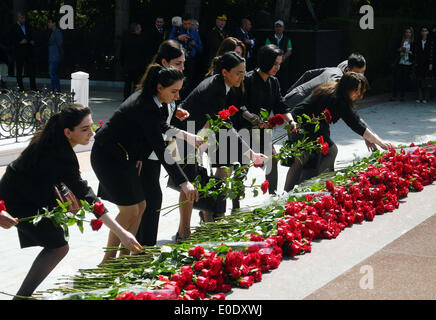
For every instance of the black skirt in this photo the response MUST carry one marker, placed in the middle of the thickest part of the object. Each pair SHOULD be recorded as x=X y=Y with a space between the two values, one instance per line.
x=118 y=177
x=45 y=234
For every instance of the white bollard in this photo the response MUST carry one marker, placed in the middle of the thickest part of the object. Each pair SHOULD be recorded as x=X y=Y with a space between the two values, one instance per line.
x=80 y=86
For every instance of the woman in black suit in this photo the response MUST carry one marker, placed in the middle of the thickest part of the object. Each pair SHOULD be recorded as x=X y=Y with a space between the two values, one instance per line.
x=132 y=133
x=424 y=51
x=262 y=91
x=339 y=98
x=170 y=53
x=28 y=186
x=212 y=95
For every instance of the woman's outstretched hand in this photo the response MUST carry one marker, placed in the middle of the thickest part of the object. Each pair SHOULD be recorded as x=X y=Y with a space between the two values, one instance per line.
x=7 y=221
x=130 y=242
x=190 y=191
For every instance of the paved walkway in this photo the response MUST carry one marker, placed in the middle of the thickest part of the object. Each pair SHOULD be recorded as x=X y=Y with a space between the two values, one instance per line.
x=393 y=245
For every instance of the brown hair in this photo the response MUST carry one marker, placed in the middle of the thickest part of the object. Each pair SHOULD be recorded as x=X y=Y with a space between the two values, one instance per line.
x=350 y=81
x=227 y=45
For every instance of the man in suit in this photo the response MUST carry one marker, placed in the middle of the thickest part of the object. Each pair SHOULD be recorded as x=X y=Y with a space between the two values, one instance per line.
x=22 y=40
x=132 y=57
x=216 y=35
x=243 y=34
x=55 y=54
x=311 y=79
x=155 y=36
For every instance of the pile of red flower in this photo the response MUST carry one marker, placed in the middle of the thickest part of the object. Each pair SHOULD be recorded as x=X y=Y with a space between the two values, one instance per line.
x=372 y=192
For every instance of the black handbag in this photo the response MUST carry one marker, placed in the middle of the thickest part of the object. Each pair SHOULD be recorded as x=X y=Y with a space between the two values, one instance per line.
x=209 y=204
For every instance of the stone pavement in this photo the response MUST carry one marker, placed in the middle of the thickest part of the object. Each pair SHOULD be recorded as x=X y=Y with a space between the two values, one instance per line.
x=397 y=247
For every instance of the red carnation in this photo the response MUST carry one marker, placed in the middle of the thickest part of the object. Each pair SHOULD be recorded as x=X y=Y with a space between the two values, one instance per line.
x=320 y=140
x=325 y=148
x=99 y=208
x=279 y=119
x=233 y=110
x=224 y=114
x=196 y=252
x=328 y=116
x=96 y=224
x=2 y=206
x=264 y=186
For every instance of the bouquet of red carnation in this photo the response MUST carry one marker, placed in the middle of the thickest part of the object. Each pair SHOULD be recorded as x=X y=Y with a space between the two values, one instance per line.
x=276 y=120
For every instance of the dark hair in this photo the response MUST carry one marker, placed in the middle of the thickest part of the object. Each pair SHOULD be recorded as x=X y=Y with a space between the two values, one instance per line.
x=428 y=29
x=356 y=60
x=132 y=27
x=157 y=74
x=52 y=19
x=267 y=56
x=168 y=50
x=227 y=61
x=227 y=45
x=51 y=136
x=186 y=16
x=349 y=81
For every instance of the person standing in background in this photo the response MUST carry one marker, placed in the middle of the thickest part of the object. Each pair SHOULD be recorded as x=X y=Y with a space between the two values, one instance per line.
x=155 y=36
x=403 y=64
x=216 y=35
x=243 y=34
x=55 y=54
x=285 y=44
x=424 y=51
x=22 y=41
x=132 y=57
x=189 y=38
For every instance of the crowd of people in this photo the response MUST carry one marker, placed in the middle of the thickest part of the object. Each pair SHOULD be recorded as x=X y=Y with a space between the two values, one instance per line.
x=130 y=148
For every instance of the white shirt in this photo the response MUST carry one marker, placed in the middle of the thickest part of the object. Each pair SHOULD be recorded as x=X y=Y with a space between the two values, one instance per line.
x=171 y=109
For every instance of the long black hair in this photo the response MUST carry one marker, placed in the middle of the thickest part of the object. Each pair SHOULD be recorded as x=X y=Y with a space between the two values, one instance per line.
x=51 y=136
x=157 y=74
x=227 y=61
x=168 y=50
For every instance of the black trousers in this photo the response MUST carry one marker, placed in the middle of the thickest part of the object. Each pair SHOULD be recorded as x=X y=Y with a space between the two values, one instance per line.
x=25 y=62
x=401 y=79
x=148 y=227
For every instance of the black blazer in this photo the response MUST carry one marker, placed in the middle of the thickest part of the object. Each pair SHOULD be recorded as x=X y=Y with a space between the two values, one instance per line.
x=242 y=36
x=424 y=56
x=17 y=35
x=135 y=130
x=132 y=53
x=209 y=97
x=32 y=188
x=153 y=40
x=262 y=94
x=338 y=110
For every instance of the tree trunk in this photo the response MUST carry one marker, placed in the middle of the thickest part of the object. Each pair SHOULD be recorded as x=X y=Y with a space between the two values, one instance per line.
x=121 y=25
x=345 y=7
x=193 y=7
x=283 y=10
